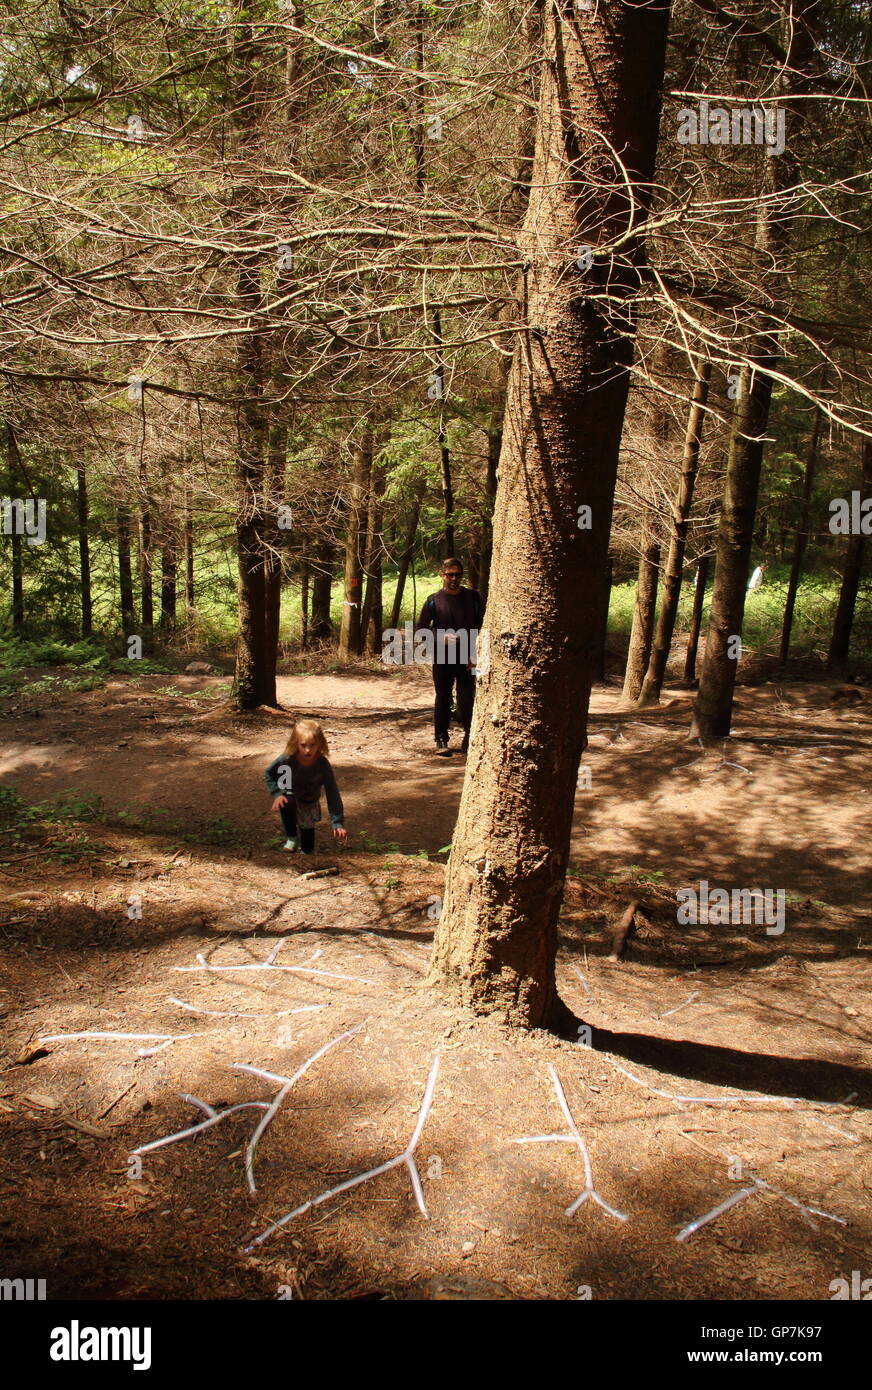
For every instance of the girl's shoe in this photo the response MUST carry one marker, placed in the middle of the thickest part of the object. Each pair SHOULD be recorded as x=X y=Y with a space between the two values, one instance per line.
x=292 y=844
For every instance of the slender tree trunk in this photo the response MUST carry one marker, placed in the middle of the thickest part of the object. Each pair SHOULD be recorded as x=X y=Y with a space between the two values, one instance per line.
x=372 y=616
x=355 y=542
x=496 y=940
x=702 y=570
x=190 y=595
x=800 y=540
x=304 y=604
x=322 y=582
x=609 y=575
x=84 y=550
x=444 y=451
x=642 y=630
x=494 y=445
x=405 y=558
x=15 y=488
x=840 y=642
x=713 y=706
x=125 y=570
x=275 y=538
x=146 y=599
x=168 y=584
x=657 y=662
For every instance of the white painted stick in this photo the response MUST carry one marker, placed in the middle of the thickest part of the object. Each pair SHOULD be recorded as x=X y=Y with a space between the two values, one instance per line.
x=268 y=1115
x=717 y=1211
x=205 y=1124
x=404 y=1157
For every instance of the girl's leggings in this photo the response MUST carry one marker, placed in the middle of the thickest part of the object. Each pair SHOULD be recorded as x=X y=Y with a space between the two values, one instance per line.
x=288 y=813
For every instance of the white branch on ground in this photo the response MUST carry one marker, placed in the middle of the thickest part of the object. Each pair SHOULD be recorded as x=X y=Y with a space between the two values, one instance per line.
x=268 y=964
x=235 y=1013
x=286 y=1084
x=405 y=1157
x=589 y=1191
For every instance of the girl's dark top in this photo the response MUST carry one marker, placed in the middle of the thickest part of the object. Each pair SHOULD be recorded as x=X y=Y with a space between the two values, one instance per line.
x=305 y=783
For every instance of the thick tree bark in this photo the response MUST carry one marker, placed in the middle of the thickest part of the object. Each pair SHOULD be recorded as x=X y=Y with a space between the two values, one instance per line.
x=800 y=540
x=125 y=570
x=496 y=940
x=82 y=514
x=840 y=643
x=660 y=647
x=355 y=545
x=642 y=631
x=702 y=570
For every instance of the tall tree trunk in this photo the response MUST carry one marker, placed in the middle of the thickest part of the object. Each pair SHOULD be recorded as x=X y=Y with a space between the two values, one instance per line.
x=322 y=582
x=840 y=643
x=609 y=576
x=702 y=570
x=355 y=543
x=496 y=940
x=713 y=706
x=444 y=451
x=15 y=488
x=653 y=682
x=405 y=558
x=190 y=595
x=84 y=550
x=642 y=630
x=800 y=540
x=372 y=616
x=146 y=598
x=168 y=583
x=275 y=538
x=494 y=445
x=125 y=570
x=304 y=603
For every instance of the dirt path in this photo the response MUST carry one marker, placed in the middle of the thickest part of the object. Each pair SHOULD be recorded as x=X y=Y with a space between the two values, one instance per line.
x=774 y=1028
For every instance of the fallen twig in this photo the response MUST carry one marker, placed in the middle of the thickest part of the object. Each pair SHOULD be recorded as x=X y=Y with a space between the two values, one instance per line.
x=573 y=1138
x=405 y=1157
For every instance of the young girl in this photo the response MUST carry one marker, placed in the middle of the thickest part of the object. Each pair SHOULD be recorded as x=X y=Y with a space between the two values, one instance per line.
x=295 y=779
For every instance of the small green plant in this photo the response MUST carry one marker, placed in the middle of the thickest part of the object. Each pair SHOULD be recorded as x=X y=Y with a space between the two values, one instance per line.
x=392 y=883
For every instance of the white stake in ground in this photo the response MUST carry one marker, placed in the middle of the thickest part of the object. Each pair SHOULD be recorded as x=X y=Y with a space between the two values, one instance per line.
x=405 y=1157
x=573 y=1138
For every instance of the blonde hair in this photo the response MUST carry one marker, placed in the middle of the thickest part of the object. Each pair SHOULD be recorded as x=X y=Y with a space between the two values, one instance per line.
x=306 y=726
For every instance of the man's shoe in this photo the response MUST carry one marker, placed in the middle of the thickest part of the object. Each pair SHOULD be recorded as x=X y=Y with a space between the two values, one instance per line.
x=442 y=748
x=292 y=844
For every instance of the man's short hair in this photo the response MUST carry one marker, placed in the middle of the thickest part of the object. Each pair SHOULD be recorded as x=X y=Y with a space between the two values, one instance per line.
x=452 y=560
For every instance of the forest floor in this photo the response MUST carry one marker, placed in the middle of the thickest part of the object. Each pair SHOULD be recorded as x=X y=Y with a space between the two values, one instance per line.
x=773 y=1029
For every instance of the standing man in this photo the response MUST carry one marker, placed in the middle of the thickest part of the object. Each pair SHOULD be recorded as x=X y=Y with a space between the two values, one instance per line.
x=454 y=617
